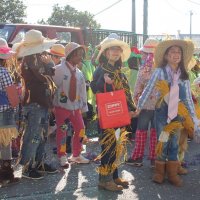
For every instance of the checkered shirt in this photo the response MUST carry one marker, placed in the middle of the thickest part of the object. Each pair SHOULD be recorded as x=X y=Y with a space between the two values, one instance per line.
x=5 y=81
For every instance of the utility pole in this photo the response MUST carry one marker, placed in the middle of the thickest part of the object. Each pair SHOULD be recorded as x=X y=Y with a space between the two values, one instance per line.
x=145 y=20
x=191 y=13
x=133 y=17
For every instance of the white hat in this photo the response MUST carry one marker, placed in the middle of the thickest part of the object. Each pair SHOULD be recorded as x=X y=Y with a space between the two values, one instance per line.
x=33 y=43
x=149 y=45
x=5 y=51
x=112 y=41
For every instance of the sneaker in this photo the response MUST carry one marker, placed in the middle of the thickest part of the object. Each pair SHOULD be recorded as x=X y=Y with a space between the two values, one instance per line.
x=63 y=162
x=32 y=174
x=47 y=168
x=137 y=163
x=79 y=159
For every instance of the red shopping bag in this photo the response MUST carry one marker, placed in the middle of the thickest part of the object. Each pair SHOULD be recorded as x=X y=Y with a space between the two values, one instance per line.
x=112 y=109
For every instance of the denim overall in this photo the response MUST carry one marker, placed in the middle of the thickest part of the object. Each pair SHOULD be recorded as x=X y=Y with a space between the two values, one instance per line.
x=35 y=136
x=7 y=119
x=170 y=148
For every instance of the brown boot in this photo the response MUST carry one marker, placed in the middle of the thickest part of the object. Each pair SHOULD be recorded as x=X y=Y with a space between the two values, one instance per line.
x=181 y=170
x=159 y=173
x=110 y=185
x=172 y=173
x=122 y=182
x=7 y=174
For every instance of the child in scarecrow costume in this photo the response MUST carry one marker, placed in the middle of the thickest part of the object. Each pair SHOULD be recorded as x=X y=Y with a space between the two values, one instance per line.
x=175 y=108
x=9 y=100
x=70 y=102
x=111 y=55
x=146 y=116
x=39 y=88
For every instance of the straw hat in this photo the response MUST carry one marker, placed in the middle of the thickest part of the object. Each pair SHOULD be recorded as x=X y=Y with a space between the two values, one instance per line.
x=5 y=51
x=57 y=49
x=149 y=45
x=192 y=63
x=112 y=41
x=34 y=42
x=186 y=46
x=72 y=46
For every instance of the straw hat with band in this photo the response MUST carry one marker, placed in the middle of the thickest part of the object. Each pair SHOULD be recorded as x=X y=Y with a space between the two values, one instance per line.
x=186 y=46
x=57 y=50
x=114 y=42
x=72 y=46
x=5 y=51
x=34 y=42
x=149 y=45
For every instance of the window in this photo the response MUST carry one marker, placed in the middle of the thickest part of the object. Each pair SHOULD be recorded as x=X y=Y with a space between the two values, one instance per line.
x=63 y=37
x=6 y=31
x=20 y=35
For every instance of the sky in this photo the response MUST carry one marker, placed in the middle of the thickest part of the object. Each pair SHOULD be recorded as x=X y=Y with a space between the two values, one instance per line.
x=164 y=16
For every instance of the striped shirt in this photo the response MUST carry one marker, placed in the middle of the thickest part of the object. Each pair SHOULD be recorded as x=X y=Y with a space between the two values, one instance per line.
x=159 y=75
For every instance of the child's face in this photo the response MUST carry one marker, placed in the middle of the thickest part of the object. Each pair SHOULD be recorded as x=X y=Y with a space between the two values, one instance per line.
x=113 y=53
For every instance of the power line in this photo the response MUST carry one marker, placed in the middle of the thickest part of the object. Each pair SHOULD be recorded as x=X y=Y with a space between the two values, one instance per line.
x=194 y=2
x=179 y=11
x=107 y=8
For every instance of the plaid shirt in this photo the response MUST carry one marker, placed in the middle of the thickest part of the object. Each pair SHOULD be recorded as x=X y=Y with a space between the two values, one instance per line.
x=159 y=75
x=5 y=81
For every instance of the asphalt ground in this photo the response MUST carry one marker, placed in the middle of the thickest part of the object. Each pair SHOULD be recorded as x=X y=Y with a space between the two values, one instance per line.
x=80 y=181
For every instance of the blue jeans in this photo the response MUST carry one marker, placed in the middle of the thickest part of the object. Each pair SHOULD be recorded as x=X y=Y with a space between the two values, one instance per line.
x=35 y=136
x=7 y=119
x=145 y=117
x=170 y=148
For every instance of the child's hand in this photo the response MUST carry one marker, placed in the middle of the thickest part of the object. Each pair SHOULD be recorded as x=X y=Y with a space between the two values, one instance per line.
x=107 y=79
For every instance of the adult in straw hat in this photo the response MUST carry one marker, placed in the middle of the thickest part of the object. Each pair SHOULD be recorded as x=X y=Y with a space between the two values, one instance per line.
x=172 y=82
x=9 y=100
x=113 y=52
x=37 y=69
x=70 y=102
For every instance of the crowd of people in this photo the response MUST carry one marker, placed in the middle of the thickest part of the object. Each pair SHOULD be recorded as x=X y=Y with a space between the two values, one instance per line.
x=47 y=87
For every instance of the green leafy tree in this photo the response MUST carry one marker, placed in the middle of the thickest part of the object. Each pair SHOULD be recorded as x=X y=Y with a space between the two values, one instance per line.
x=12 y=11
x=69 y=16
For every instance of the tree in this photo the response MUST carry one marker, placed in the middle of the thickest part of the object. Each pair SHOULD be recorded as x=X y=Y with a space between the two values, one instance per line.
x=12 y=11
x=69 y=16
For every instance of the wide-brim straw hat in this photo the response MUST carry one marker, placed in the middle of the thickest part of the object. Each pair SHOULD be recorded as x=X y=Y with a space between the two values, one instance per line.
x=5 y=51
x=186 y=45
x=57 y=49
x=149 y=45
x=115 y=42
x=34 y=42
x=72 y=46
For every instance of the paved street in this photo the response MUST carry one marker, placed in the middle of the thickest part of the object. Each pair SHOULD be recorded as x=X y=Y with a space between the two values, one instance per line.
x=80 y=182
